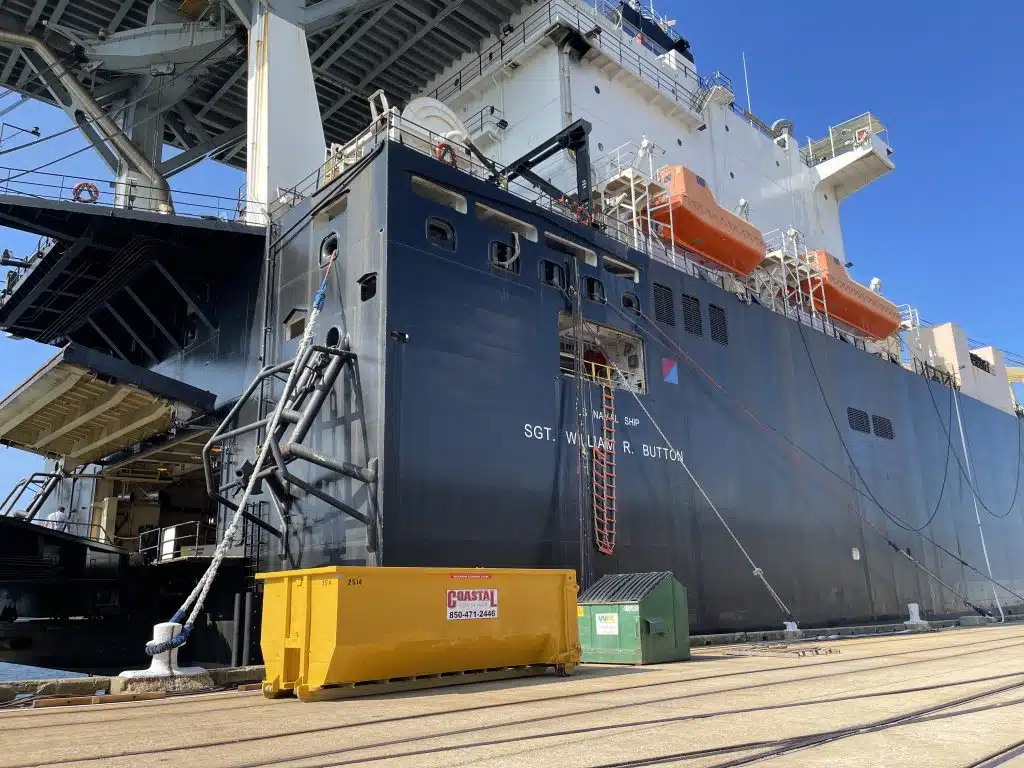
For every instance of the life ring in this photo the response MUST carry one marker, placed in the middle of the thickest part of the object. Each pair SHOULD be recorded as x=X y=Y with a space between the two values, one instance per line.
x=84 y=192
x=445 y=153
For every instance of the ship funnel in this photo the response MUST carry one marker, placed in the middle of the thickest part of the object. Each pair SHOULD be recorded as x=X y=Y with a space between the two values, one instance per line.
x=125 y=147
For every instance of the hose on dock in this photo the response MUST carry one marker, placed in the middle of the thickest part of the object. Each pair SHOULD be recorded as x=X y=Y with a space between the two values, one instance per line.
x=202 y=588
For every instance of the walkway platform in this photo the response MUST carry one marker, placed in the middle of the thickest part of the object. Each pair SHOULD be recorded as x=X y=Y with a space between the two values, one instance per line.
x=948 y=698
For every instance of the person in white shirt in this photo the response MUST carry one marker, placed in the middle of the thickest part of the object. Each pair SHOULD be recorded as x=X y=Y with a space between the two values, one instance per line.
x=59 y=521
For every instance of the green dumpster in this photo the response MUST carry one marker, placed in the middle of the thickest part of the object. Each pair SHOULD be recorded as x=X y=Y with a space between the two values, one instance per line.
x=634 y=618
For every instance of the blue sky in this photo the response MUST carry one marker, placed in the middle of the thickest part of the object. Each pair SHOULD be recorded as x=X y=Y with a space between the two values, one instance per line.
x=942 y=76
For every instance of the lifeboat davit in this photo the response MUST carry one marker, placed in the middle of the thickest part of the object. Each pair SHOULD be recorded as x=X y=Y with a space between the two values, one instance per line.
x=852 y=303
x=702 y=226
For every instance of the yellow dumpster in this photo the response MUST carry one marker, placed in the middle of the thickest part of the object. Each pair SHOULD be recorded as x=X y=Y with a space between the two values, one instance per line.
x=339 y=631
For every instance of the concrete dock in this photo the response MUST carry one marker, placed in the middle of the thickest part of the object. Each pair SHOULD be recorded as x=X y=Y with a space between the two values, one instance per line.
x=948 y=698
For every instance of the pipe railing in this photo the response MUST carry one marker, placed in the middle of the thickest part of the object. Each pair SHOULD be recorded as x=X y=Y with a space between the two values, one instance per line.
x=60 y=187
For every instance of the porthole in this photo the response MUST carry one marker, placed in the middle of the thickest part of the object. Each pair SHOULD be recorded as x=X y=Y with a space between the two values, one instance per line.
x=679 y=142
x=732 y=175
x=597 y=89
x=727 y=129
x=600 y=146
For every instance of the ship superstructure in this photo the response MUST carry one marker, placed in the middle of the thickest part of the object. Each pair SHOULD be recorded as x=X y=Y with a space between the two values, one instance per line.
x=550 y=336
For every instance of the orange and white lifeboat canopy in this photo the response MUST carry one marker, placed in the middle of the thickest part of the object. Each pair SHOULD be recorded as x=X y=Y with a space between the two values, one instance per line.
x=852 y=303
x=702 y=226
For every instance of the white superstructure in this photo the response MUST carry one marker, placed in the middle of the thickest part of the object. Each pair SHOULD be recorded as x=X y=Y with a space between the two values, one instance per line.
x=536 y=80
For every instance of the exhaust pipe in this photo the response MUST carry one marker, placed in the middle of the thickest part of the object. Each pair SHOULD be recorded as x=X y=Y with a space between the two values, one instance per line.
x=96 y=114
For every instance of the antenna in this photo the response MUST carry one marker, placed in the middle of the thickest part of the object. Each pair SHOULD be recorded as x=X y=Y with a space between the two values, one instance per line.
x=746 y=82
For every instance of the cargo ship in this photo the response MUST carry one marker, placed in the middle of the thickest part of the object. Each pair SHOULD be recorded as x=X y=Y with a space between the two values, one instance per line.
x=542 y=336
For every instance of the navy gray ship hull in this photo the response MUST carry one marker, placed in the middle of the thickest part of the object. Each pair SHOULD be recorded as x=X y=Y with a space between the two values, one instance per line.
x=475 y=424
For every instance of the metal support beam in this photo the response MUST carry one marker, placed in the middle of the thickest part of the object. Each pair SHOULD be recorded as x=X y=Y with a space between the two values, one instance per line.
x=180 y=45
x=201 y=151
x=69 y=383
x=41 y=497
x=131 y=332
x=90 y=412
x=242 y=10
x=109 y=342
x=321 y=15
x=153 y=319
x=118 y=17
x=346 y=468
x=197 y=305
x=146 y=417
x=233 y=78
x=193 y=125
x=46 y=280
x=326 y=498
x=379 y=14
x=449 y=7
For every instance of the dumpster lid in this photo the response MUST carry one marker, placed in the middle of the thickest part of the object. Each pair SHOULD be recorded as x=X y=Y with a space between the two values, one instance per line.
x=623 y=587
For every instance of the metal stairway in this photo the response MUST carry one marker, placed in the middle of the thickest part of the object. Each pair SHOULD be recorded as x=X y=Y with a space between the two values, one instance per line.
x=604 y=475
x=319 y=369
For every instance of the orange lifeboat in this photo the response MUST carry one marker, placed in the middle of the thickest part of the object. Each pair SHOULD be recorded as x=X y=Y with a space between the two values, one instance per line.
x=852 y=303
x=702 y=226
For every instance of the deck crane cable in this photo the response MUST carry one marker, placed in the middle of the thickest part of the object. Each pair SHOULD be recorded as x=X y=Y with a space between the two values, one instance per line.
x=758 y=572
x=202 y=589
x=967 y=440
x=799 y=453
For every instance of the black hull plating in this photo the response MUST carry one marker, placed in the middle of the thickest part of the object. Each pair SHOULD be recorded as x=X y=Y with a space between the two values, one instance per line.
x=480 y=470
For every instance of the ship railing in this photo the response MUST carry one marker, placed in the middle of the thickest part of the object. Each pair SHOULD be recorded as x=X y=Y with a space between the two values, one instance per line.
x=93 y=531
x=485 y=118
x=598 y=372
x=59 y=187
x=176 y=542
x=936 y=374
x=602 y=31
x=845 y=137
x=631 y=233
